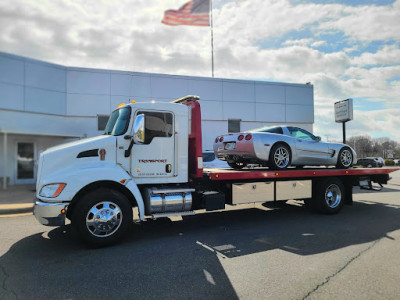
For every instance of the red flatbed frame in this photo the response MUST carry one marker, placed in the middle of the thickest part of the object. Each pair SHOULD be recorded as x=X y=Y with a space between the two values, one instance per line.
x=253 y=174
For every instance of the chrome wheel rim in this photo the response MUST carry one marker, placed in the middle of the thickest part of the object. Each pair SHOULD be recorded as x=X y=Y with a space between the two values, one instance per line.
x=346 y=158
x=104 y=219
x=333 y=196
x=281 y=157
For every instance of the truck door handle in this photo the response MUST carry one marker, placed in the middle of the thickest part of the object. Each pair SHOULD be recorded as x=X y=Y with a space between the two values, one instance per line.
x=299 y=140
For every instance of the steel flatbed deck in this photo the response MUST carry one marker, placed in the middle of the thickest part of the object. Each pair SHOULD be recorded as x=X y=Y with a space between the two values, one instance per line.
x=265 y=173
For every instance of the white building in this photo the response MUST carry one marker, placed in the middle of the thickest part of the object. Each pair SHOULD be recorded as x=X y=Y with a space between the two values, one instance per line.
x=43 y=104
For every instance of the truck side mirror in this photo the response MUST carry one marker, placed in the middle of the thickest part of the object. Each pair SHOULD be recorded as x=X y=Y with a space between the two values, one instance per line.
x=318 y=139
x=138 y=129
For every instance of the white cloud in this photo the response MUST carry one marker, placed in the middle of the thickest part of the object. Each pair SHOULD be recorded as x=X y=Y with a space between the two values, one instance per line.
x=389 y=54
x=368 y=22
x=318 y=43
x=300 y=42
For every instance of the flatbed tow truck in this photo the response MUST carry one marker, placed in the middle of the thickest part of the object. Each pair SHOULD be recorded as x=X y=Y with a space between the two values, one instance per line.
x=150 y=159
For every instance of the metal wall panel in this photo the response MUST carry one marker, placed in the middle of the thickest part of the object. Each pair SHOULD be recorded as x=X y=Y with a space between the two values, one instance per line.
x=299 y=95
x=269 y=93
x=121 y=84
x=84 y=82
x=11 y=96
x=245 y=111
x=211 y=110
x=168 y=87
x=300 y=113
x=270 y=112
x=88 y=105
x=45 y=76
x=141 y=86
x=238 y=91
x=206 y=89
x=11 y=70
x=45 y=101
x=210 y=130
x=39 y=123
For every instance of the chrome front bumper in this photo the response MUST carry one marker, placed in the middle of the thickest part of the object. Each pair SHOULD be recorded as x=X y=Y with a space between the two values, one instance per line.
x=50 y=214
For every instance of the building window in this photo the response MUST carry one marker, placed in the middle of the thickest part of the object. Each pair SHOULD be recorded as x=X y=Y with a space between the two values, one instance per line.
x=102 y=122
x=234 y=125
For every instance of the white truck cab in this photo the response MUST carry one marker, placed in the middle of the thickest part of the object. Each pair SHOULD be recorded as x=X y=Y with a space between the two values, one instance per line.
x=141 y=147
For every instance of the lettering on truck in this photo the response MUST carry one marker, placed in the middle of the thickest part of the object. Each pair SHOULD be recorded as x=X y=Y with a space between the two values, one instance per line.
x=145 y=161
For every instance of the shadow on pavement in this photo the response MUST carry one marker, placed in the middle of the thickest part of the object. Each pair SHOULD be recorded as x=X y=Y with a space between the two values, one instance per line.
x=176 y=260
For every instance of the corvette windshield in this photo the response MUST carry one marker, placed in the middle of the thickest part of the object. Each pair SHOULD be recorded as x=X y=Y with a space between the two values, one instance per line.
x=118 y=122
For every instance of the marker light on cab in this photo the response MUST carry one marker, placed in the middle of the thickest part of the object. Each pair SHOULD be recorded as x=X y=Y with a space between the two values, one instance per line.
x=52 y=190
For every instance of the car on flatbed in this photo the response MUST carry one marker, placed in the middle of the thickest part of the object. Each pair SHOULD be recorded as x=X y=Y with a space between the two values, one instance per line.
x=280 y=147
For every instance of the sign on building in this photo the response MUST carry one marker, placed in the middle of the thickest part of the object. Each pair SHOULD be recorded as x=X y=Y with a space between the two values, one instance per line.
x=344 y=110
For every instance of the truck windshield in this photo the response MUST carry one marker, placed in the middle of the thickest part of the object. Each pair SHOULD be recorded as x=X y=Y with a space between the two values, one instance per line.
x=118 y=122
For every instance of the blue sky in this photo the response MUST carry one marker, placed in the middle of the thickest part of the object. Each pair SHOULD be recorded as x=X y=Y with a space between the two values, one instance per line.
x=346 y=49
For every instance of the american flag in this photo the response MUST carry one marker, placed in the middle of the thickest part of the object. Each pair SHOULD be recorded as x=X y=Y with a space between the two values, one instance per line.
x=194 y=13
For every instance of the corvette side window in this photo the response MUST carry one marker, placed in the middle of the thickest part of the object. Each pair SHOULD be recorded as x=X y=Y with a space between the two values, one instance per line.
x=300 y=133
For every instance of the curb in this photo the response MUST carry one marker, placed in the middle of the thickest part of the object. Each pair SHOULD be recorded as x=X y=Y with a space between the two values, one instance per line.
x=20 y=208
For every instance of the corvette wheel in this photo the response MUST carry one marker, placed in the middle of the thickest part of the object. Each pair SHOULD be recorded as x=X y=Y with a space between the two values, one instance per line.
x=345 y=158
x=279 y=157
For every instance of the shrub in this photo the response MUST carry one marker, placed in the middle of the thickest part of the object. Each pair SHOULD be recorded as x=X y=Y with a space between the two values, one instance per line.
x=389 y=162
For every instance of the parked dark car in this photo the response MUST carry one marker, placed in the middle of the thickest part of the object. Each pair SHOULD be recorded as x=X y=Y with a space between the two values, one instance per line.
x=367 y=163
x=379 y=160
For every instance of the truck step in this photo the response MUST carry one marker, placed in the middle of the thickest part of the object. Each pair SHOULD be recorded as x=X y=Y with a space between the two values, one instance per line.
x=173 y=214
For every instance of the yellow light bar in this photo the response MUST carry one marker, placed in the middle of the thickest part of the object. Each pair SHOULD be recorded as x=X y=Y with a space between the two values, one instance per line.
x=133 y=101
x=122 y=104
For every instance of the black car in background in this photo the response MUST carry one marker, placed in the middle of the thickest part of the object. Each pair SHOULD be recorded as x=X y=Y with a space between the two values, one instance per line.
x=367 y=163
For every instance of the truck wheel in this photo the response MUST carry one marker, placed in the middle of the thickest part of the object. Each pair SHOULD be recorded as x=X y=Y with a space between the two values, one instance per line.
x=102 y=217
x=328 y=196
x=237 y=165
x=345 y=158
x=279 y=157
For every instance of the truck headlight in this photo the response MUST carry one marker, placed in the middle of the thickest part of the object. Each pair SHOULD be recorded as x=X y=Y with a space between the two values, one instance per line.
x=52 y=190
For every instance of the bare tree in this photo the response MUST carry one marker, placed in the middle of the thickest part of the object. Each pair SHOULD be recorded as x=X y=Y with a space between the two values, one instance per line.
x=365 y=146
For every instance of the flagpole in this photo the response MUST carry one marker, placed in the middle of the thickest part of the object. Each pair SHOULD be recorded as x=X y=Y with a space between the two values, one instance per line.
x=212 y=40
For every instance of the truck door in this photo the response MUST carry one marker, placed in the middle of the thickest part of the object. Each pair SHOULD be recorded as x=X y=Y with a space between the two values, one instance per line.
x=155 y=157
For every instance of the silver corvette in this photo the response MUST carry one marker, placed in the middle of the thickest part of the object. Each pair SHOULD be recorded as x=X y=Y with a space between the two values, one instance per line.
x=281 y=146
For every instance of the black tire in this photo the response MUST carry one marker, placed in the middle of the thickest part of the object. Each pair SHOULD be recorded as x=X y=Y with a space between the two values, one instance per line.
x=111 y=221
x=280 y=157
x=345 y=158
x=236 y=165
x=328 y=196
x=299 y=167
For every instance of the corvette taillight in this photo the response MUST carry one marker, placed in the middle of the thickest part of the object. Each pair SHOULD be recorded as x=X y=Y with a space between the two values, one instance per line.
x=221 y=139
x=216 y=140
x=240 y=137
x=248 y=137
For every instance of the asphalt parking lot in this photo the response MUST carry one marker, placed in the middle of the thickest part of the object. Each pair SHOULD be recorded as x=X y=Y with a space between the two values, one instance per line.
x=257 y=253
